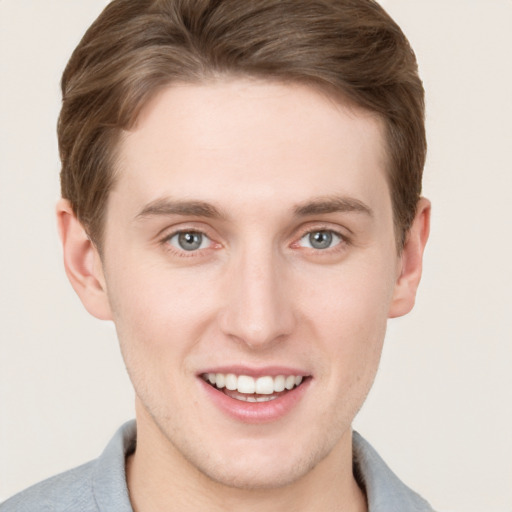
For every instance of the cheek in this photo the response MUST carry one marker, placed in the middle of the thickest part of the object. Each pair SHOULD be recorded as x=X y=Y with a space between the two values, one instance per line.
x=347 y=311
x=157 y=309
x=353 y=297
x=159 y=320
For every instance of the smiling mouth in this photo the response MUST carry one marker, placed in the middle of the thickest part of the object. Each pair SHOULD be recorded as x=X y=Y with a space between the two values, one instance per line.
x=249 y=389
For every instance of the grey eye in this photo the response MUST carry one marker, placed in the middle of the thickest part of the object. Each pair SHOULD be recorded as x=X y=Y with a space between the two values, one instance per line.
x=189 y=240
x=320 y=239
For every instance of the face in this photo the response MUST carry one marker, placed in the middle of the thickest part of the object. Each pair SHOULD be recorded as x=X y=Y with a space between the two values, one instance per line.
x=249 y=247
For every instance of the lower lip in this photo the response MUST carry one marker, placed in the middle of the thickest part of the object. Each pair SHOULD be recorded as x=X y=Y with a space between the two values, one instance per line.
x=256 y=412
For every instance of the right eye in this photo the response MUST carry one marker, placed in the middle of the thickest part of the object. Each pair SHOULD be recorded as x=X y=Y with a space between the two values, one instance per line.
x=189 y=241
x=320 y=239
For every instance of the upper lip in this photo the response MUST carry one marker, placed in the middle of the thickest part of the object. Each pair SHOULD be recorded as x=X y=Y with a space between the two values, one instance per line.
x=272 y=371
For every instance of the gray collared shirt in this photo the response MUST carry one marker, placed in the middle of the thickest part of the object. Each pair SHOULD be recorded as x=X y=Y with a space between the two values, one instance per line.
x=100 y=485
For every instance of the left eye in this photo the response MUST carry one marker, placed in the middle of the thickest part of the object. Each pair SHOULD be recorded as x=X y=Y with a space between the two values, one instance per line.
x=320 y=239
x=189 y=241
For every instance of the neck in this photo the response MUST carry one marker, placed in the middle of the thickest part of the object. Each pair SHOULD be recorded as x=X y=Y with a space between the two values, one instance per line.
x=160 y=478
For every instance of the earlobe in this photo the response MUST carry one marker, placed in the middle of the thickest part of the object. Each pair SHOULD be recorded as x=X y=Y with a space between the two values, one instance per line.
x=411 y=262
x=82 y=263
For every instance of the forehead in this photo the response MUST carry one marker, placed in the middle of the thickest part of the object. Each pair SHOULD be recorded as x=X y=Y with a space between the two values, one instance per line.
x=251 y=141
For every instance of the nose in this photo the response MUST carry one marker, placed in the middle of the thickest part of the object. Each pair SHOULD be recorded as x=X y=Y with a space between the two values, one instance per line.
x=258 y=306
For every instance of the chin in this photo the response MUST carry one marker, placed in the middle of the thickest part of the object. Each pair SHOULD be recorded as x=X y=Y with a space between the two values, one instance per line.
x=259 y=477
x=261 y=465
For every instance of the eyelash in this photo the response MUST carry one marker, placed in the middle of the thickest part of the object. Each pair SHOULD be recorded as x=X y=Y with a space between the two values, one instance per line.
x=343 y=242
x=183 y=253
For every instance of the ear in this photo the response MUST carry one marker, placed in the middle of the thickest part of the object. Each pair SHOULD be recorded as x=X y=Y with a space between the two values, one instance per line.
x=411 y=262
x=82 y=263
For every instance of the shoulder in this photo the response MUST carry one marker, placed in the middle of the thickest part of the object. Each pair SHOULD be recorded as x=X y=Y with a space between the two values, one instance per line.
x=385 y=492
x=68 y=492
x=99 y=485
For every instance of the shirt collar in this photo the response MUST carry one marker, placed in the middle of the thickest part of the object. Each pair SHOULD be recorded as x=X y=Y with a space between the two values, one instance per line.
x=109 y=477
x=385 y=492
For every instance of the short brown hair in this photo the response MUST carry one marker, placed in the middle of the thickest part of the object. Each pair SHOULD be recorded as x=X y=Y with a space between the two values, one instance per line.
x=137 y=47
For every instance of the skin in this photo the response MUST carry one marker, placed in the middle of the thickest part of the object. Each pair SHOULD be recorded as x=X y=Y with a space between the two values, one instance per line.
x=273 y=162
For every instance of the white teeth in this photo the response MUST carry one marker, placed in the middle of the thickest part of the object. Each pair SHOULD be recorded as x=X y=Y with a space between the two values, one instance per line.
x=231 y=381
x=220 y=380
x=265 y=398
x=290 y=382
x=255 y=399
x=279 y=383
x=265 y=386
x=247 y=385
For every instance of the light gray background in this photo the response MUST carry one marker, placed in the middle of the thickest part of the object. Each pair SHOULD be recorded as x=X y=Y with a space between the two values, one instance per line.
x=441 y=410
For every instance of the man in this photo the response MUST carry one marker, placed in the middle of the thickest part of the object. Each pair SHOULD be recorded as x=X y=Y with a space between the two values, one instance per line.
x=241 y=196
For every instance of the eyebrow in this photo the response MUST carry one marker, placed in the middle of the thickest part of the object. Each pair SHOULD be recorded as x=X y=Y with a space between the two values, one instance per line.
x=166 y=206
x=322 y=205
x=332 y=204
